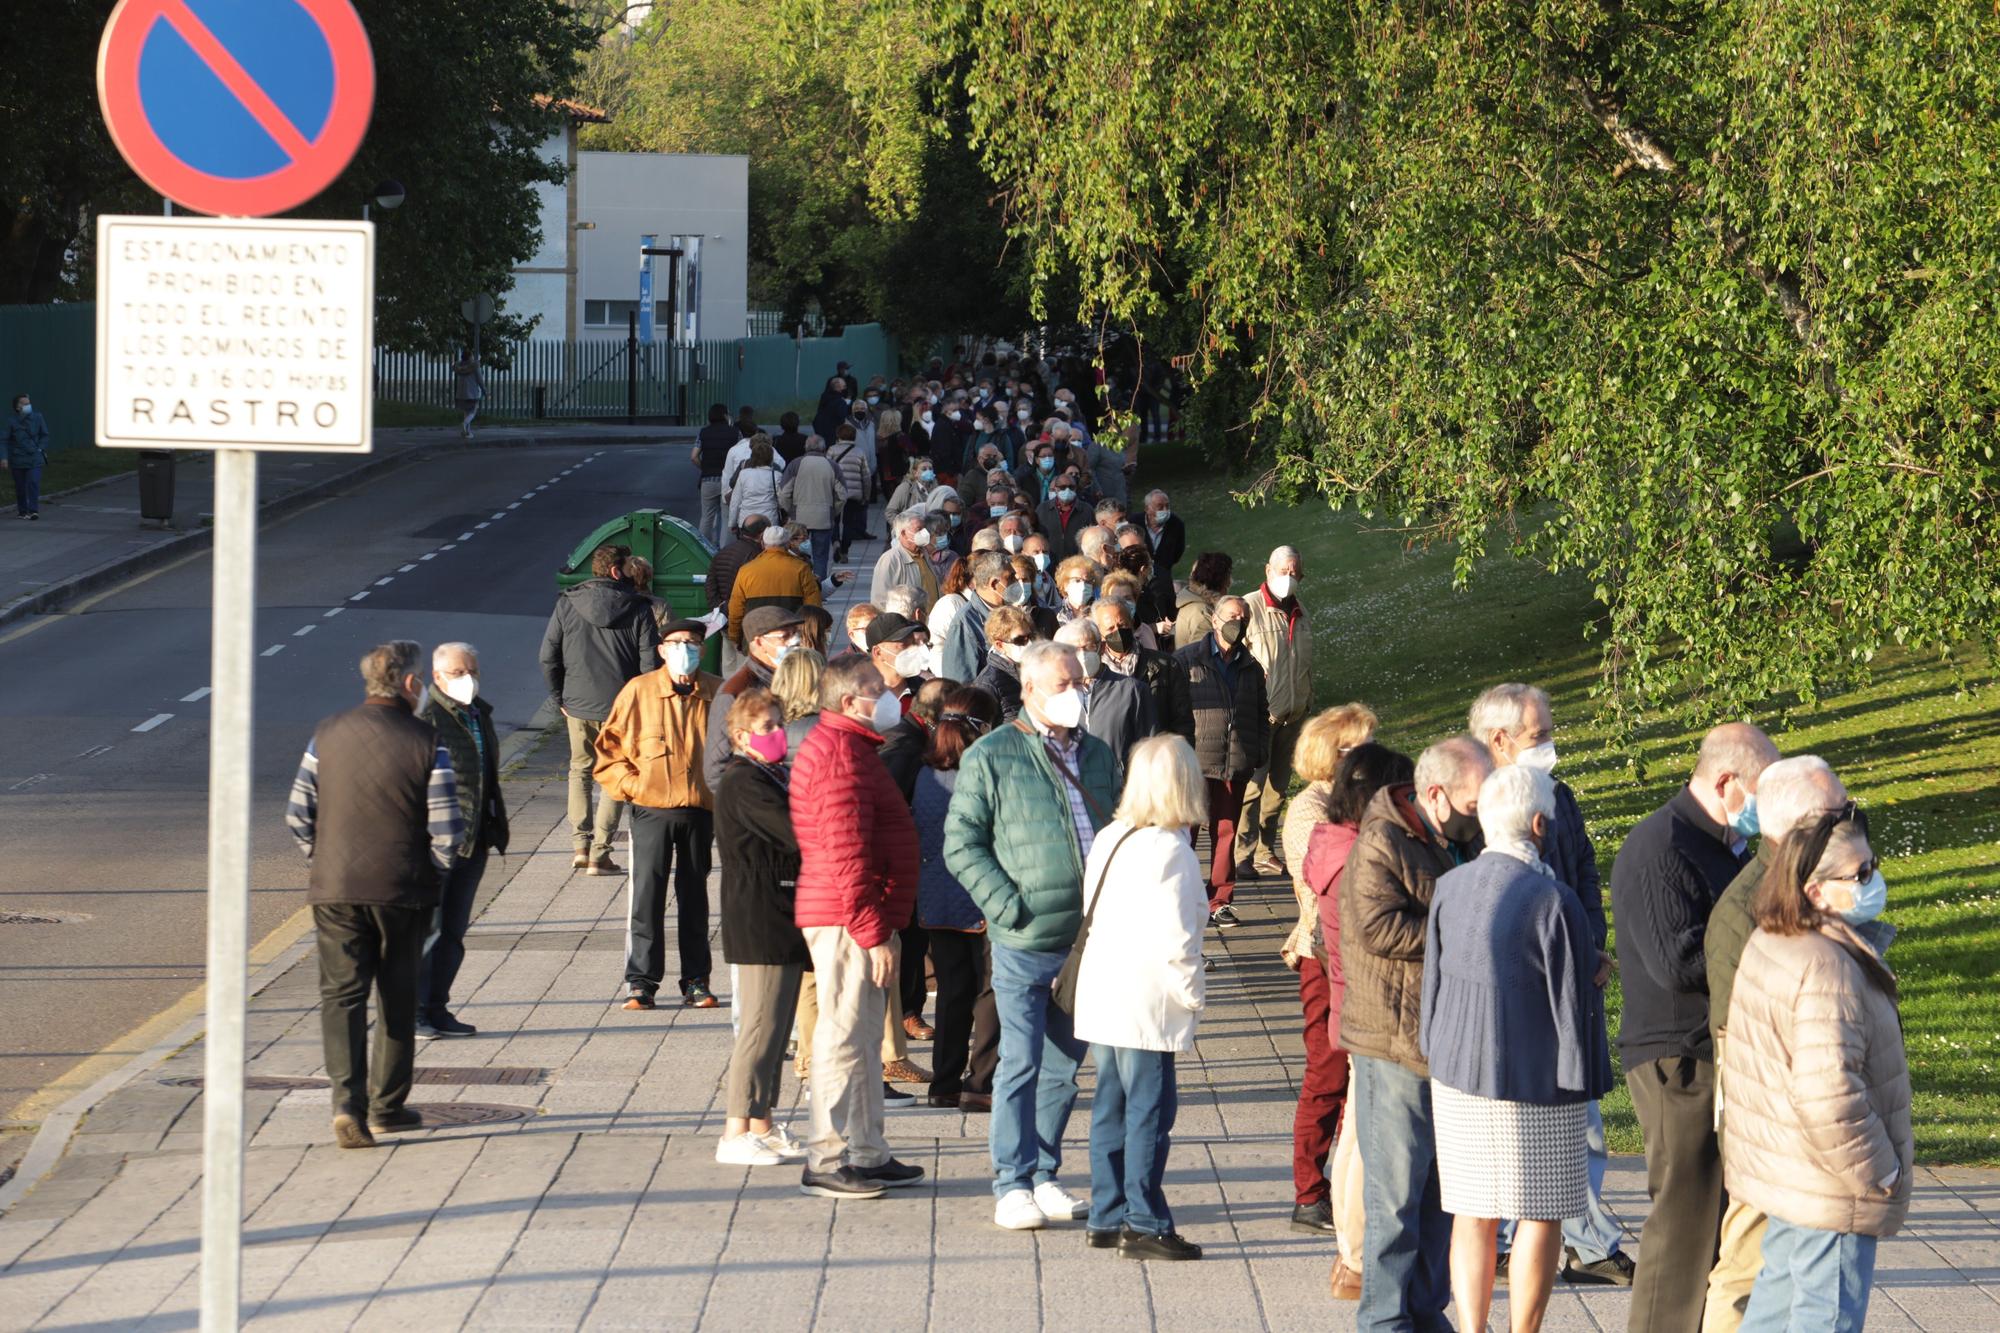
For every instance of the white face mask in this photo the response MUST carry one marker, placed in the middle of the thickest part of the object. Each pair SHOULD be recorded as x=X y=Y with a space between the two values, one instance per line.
x=1091 y=661
x=461 y=690
x=925 y=418
x=1079 y=591
x=1041 y=559
x=1063 y=710
x=1024 y=414
x=888 y=712
x=1012 y=541
x=911 y=661
x=1541 y=756
x=1280 y=585
x=921 y=538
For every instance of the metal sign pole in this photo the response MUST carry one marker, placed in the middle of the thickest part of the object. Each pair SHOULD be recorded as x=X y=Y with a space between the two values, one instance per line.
x=232 y=672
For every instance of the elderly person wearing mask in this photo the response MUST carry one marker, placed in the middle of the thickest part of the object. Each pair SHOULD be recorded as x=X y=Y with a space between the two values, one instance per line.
x=1076 y=585
x=1166 y=534
x=1029 y=801
x=1791 y=793
x=1164 y=678
x=1410 y=836
x=1139 y=990
x=1815 y=1085
x=853 y=462
x=1280 y=638
x=1513 y=1028
x=1064 y=516
x=1673 y=867
x=814 y=494
x=1096 y=545
x=1323 y=1091
x=1515 y=722
x=1121 y=711
x=766 y=952
x=914 y=494
x=1009 y=631
x=963 y=645
x=907 y=561
x=1231 y=738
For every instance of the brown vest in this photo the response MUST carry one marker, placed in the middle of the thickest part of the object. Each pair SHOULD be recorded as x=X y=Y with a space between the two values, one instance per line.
x=373 y=841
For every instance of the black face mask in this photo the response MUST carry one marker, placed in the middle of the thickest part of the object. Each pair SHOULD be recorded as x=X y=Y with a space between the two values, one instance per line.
x=1229 y=631
x=1118 y=640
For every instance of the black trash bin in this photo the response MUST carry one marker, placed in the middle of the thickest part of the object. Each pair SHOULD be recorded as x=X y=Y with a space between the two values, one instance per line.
x=156 y=485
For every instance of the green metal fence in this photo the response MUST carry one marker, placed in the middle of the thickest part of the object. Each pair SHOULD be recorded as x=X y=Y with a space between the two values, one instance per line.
x=49 y=352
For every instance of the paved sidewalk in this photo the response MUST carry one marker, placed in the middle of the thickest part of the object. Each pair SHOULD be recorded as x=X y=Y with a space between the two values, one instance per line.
x=601 y=1205
x=92 y=534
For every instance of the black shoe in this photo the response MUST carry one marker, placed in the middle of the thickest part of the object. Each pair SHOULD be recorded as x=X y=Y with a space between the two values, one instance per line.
x=895 y=1096
x=696 y=995
x=1106 y=1239
x=425 y=1031
x=1613 y=1270
x=1314 y=1217
x=844 y=1183
x=444 y=1025
x=1224 y=918
x=1148 y=1245
x=395 y=1121
x=944 y=1101
x=892 y=1174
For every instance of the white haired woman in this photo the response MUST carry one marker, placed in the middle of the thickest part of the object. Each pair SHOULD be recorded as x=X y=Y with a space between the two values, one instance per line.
x=1138 y=990
x=1514 y=1032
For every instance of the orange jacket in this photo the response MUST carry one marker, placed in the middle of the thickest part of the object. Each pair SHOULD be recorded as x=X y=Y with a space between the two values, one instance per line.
x=649 y=750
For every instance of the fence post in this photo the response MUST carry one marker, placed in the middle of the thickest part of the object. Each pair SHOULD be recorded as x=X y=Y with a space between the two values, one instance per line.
x=632 y=368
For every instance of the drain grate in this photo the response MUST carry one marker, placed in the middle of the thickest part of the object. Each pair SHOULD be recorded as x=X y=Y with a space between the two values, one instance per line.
x=461 y=1075
x=255 y=1083
x=444 y=1115
x=42 y=918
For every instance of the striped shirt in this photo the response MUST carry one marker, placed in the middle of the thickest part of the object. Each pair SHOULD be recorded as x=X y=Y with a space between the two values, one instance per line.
x=1069 y=756
x=447 y=821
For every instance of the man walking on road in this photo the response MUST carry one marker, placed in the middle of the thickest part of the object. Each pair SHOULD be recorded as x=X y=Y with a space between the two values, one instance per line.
x=649 y=755
x=601 y=635
x=857 y=888
x=464 y=724
x=375 y=809
x=27 y=454
x=1030 y=799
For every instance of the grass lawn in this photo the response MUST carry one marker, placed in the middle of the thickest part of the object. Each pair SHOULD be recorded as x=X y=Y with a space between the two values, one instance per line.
x=1916 y=750
x=83 y=463
x=390 y=415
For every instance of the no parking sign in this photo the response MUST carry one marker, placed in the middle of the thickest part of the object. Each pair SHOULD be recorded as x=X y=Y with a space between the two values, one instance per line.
x=241 y=108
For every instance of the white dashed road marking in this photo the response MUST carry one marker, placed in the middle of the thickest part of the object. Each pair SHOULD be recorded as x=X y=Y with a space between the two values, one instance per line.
x=273 y=650
x=383 y=582
x=303 y=630
x=153 y=721
x=334 y=612
x=197 y=696
x=405 y=569
x=358 y=596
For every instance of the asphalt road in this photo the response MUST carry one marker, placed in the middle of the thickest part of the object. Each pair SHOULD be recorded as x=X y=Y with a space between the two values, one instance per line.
x=104 y=738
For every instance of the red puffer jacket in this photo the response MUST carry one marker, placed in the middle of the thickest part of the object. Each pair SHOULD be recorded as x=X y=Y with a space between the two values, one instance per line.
x=858 y=857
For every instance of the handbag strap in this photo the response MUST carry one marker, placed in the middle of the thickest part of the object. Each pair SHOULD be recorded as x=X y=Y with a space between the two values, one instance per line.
x=1090 y=908
x=1056 y=759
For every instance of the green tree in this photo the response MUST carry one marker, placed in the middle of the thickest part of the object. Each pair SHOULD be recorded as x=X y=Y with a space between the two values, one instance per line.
x=1700 y=300
x=461 y=110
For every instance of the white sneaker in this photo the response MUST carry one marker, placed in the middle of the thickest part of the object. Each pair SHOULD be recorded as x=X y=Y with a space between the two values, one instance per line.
x=1017 y=1211
x=747 y=1150
x=786 y=1144
x=1058 y=1204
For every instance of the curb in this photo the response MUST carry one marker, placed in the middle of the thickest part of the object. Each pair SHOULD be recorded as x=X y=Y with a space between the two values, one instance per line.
x=167 y=548
x=284 y=948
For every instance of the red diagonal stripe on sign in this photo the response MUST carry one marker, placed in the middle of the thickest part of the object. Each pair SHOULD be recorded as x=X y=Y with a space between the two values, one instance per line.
x=235 y=78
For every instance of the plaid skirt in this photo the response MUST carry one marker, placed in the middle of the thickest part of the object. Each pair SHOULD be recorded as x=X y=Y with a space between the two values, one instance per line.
x=1514 y=1160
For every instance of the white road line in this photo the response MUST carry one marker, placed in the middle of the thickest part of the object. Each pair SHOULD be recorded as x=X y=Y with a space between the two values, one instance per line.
x=334 y=612
x=385 y=582
x=273 y=650
x=515 y=505
x=197 y=696
x=477 y=526
x=36 y=780
x=428 y=555
x=358 y=596
x=153 y=721
x=464 y=537
x=95 y=751
x=404 y=569
x=541 y=488
x=451 y=546
x=303 y=630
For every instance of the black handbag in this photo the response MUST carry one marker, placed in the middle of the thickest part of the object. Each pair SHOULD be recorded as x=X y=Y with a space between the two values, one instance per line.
x=1062 y=992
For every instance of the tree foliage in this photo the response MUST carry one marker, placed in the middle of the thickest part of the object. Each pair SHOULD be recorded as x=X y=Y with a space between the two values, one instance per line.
x=460 y=114
x=1697 y=299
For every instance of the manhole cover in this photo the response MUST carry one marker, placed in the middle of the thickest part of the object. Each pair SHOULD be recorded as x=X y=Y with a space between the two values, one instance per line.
x=464 y=1074
x=255 y=1083
x=440 y=1115
x=42 y=918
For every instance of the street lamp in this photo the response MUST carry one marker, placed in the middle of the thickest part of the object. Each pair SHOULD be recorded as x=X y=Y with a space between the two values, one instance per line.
x=387 y=196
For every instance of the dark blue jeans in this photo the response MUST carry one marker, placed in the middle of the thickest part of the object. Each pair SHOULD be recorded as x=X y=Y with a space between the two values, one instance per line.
x=822 y=551
x=444 y=947
x=1811 y=1279
x=27 y=490
x=1405 y=1268
x=1131 y=1124
x=1034 y=1089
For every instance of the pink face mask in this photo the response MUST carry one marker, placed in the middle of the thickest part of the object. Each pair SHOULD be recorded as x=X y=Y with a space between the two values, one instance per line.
x=769 y=746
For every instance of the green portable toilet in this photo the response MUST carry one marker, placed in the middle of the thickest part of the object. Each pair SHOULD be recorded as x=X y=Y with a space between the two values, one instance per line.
x=680 y=557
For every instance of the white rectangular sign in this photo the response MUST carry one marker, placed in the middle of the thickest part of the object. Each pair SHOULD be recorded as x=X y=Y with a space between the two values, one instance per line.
x=219 y=334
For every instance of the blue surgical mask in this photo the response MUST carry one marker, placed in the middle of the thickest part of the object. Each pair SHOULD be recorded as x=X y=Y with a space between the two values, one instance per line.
x=996 y=510
x=956 y=519
x=1744 y=821
x=1046 y=464
x=1019 y=593
x=778 y=658
x=1870 y=898
x=927 y=476
x=1065 y=495
x=683 y=658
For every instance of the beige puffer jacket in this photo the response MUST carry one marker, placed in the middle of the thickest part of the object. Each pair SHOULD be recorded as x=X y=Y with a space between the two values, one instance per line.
x=1815 y=1090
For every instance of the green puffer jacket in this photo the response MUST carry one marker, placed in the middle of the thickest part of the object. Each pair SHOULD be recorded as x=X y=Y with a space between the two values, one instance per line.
x=1009 y=839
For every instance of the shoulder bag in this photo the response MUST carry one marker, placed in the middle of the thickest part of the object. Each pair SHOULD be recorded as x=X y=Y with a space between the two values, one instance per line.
x=1062 y=991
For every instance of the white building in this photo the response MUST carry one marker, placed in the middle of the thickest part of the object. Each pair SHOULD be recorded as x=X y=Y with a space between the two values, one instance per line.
x=583 y=282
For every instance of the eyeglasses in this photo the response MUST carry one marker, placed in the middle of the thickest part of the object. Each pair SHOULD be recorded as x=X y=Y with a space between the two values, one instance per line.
x=1020 y=640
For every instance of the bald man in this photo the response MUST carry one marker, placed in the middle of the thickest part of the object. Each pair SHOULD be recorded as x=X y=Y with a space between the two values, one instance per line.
x=1672 y=869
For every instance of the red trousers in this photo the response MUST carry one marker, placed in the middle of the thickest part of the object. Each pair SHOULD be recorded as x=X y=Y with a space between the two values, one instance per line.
x=1225 y=810
x=1322 y=1092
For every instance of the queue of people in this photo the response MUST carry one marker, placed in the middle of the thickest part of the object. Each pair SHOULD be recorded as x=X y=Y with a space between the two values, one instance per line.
x=998 y=784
